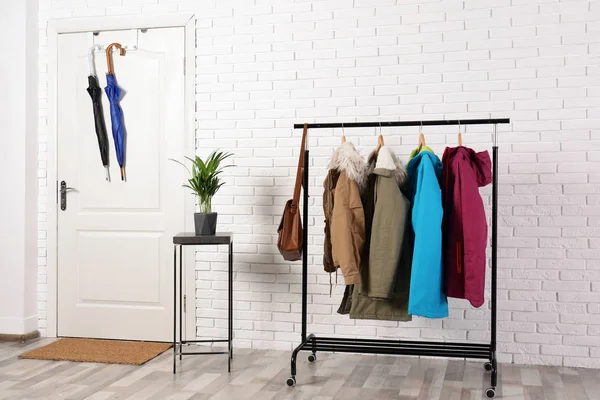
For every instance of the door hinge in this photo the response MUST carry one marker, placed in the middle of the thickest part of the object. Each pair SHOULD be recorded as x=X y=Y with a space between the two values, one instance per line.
x=184 y=303
x=184 y=66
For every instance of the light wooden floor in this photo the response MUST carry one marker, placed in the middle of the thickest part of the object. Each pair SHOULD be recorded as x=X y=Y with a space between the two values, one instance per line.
x=261 y=375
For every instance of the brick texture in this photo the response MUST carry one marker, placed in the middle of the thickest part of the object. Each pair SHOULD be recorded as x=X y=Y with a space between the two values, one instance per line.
x=266 y=64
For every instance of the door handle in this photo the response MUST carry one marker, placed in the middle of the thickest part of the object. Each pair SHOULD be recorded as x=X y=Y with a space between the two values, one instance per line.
x=63 y=194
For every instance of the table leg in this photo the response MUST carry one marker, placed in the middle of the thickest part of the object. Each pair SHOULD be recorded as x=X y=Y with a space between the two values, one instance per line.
x=174 y=307
x=180 y=302
x=230 y=341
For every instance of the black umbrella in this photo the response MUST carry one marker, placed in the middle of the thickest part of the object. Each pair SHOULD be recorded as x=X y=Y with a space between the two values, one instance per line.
x=95 y=92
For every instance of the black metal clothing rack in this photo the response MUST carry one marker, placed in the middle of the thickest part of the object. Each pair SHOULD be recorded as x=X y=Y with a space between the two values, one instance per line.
x=485 y=351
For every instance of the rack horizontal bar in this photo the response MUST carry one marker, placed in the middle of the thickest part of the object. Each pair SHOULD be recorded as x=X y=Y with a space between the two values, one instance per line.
x=405 y=123
x=431 y=349
x=205 y=341
x=196 y=353
x=406 y=342
x=402 y=351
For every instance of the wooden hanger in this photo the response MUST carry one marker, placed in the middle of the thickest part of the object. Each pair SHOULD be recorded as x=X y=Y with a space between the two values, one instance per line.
x=421 y=142
x=343 y=139
x=380 y=143
x=421 y=139
x=460 y=143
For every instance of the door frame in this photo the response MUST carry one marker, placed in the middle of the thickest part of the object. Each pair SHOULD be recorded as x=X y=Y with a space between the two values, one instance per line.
x=56 y=27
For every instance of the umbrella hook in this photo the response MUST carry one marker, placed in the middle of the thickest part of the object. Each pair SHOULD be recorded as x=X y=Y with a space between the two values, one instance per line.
x=91 y=51
x=109 y=55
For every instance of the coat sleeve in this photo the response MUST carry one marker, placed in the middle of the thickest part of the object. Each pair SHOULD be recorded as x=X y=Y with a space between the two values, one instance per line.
x=474 y=237
x=328 y=202
x=347 y=229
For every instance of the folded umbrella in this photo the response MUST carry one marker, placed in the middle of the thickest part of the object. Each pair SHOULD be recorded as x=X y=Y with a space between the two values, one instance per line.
x=113 y=92
x=95 y=93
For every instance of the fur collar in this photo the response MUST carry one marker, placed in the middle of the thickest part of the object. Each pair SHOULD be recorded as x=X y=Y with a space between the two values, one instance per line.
x=386 y=159
x=372 y=160
x=346 y=159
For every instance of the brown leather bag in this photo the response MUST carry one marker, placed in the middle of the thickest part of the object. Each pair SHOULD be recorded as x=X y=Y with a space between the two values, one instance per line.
x=289 y=241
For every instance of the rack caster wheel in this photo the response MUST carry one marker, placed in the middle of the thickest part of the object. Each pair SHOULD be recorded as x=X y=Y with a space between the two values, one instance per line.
x=291 y=382
x=490 y=393
x=312 y=358
x=487 y=366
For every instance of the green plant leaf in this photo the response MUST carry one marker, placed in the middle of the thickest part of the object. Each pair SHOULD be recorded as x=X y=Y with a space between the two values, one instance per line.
x=205 y=180
x=182 y=164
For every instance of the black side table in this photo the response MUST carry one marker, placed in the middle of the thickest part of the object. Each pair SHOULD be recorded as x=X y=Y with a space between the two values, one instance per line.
x=190 y=239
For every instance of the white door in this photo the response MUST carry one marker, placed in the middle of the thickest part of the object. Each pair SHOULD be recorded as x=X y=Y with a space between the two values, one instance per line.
x=115 y=253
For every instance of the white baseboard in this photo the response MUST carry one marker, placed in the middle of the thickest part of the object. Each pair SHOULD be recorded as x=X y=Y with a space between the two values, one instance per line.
x=18 y=326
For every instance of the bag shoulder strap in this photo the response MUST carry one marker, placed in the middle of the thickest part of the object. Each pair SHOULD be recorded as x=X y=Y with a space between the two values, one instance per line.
x=300 y=170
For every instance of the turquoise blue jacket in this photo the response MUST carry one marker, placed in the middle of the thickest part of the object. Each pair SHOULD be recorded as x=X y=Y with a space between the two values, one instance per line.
x=427 y=297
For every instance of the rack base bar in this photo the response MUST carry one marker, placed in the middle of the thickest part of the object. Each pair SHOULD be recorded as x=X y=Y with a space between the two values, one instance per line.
x=413 y=347
x=206 y=341
x=407 y=343
x=409 y=351
x=479 y=351
x=400 y=352
x=395 y=347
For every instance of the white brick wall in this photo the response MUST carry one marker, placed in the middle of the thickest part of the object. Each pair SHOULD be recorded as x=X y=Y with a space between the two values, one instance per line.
x=263 y=65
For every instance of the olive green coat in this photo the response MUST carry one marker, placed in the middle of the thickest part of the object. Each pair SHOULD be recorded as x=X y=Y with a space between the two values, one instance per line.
x=383 y=290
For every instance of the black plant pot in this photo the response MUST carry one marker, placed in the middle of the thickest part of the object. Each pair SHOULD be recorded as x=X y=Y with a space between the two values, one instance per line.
x=205 y=224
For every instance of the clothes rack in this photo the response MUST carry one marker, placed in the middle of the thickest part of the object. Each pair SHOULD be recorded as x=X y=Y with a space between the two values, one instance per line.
x=485 y=351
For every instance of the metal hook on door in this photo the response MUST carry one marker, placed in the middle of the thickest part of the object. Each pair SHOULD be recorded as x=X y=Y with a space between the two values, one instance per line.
x=128 y=47
x=135 y=39
x=91 y=64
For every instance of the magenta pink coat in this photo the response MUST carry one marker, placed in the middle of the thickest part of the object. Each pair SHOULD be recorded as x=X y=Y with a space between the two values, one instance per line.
x=464 y=225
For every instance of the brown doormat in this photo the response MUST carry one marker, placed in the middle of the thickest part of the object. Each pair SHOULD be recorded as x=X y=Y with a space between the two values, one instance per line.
x=100 y=351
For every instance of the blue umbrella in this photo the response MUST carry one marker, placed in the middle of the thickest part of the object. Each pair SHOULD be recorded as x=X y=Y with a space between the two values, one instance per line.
x=113 y=92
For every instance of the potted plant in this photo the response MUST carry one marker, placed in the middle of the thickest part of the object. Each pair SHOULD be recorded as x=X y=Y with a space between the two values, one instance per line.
x=205 y=182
